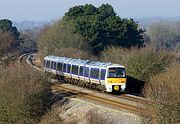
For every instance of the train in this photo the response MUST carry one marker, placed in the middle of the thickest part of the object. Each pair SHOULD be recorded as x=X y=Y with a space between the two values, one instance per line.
x=110 y=77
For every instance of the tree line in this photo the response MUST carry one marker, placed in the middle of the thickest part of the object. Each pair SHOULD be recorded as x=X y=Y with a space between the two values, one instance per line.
x=9 y=37
x=14 y=41
x=102 y=27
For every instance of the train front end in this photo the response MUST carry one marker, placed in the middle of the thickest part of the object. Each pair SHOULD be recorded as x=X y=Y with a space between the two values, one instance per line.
x=116 y=79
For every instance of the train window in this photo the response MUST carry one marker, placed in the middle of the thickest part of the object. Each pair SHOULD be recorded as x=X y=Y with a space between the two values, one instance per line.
x=59 y=66
x=75 y=69
x=64 y=67
x=81 y=71
x=103 y=73
x=54 y=66
x=68 y=68
x=86 y=71
x=116 y=72
x=48 y=64
x=94 y=73
x=52 y=63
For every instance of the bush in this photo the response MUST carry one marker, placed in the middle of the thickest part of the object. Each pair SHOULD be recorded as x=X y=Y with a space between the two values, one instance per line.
x=24 y=95
x=163 y=89
x=140 y=63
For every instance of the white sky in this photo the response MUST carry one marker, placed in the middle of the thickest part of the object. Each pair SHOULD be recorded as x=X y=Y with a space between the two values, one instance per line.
x=47 y=10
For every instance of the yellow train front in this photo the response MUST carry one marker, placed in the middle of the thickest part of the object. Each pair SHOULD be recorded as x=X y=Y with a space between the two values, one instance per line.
x=115 y=78
x=111 y=77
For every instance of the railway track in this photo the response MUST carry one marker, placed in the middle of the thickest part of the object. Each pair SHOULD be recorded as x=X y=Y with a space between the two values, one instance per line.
x=124 y=101
x=23 y=57
x=118 y=103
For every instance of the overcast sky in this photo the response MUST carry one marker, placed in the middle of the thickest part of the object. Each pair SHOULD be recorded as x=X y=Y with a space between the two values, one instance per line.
x=47 y=10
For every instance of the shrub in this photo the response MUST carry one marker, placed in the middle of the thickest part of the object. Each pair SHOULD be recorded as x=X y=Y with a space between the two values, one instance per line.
x=146 y=62
x=24 y=95
x=140 y=63
x=163 y=89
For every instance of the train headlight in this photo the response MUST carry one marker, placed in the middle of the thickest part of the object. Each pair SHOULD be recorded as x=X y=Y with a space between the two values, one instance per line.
x=123 y=86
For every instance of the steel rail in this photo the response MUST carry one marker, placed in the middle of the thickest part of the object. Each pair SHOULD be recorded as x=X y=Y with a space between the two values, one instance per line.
x=103 y=100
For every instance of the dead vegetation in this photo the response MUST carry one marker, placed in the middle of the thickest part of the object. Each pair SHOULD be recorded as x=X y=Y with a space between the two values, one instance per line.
x=24 y=95
x=67 y=114
x=163 y=89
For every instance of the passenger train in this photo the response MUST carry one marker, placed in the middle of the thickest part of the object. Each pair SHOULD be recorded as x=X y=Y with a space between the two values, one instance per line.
x=111 y=76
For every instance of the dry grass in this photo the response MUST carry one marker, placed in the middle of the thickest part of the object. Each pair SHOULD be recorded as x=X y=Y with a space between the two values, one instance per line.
x=163 y=89
x=23 y=95
x=95 y=118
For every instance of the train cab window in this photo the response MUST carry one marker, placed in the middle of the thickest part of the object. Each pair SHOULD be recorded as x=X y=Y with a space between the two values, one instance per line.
x=59 y=66
x=116 y=72
x=81 y=71
x=64 y=67
x=94 y=73
x=75 y=69
x=103 y=73
x=68 y=68
x=86 y=71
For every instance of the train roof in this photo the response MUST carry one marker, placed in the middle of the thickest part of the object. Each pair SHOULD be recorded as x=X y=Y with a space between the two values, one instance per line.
x=64 y=59
x=79 y=61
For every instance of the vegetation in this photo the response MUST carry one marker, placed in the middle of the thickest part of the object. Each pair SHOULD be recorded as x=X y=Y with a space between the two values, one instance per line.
x=163 y=90
x=6 y=40
x=89 y=29
x=140 y=63
x=29 y=38
x=24 y=95
x=165 y=35
x=9 y=37
x=102 y=27
x=88 y=32
x=59 y=36
x=91 y=117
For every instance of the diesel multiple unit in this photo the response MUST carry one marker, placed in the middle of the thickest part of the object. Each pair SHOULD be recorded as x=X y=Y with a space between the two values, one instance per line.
x=111 y=76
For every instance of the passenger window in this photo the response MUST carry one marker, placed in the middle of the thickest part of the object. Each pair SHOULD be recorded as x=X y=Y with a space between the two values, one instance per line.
x=68 y=68
x=52 y=63
x=75 y=69
x=54 y=67
x=64 y=68
x=48 y=64
x=59 y=68
x=103 y=73
x=86 y=71
x=94 y=73
x=81 y=71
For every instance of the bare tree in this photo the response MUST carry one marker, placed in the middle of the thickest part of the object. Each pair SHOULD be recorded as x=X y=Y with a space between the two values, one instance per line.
x=5 y=41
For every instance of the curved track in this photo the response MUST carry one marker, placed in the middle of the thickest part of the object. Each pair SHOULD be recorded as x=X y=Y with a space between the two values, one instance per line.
x=118 y=103
x=124 y=101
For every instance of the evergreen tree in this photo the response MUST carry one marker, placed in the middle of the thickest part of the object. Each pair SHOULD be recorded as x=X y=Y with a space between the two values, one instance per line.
x=102 y=27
